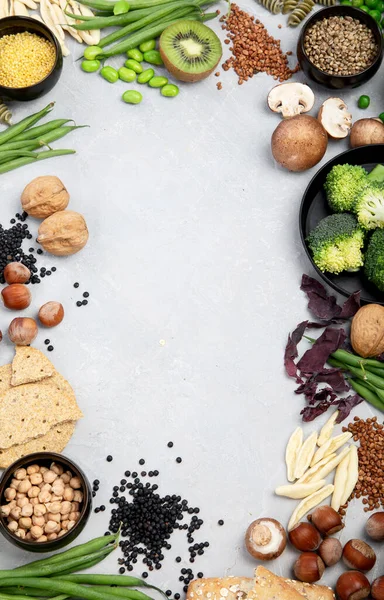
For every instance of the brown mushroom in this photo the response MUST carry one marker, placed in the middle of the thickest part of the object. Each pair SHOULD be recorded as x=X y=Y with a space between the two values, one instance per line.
x=367 y=131
x=335 y=118
x=265 y=539
x=299 y=143
x=291 y=99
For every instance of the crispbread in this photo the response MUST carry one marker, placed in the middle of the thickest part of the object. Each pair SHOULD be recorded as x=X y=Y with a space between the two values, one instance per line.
x=216 y=588
x=30 y=411
x=61 y=385
x=54 y=441
x=311 y=591
x=29 y=366
x=269 y=586
x=5 y=378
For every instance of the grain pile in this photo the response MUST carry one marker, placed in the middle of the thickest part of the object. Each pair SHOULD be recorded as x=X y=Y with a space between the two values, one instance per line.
x=253 y=49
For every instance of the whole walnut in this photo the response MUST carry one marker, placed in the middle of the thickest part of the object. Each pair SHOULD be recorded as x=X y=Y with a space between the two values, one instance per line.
x=44 y=196
x=367 y=330
x=63 y=233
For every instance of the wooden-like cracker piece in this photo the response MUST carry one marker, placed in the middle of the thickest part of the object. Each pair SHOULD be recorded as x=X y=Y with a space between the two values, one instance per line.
x=29 y=366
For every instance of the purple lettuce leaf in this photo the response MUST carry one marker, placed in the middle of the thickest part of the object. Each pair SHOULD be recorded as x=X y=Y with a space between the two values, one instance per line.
x=345 y=405
x=320 y=303
x=291 y=351
x=313 y=360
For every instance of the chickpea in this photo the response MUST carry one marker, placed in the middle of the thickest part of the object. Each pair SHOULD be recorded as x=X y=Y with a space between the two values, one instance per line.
x=53 y=517
x=44 y=497
x=20 y=533
x=58 y=487
x=43 y=538
x=71 y=524
x=20 y=495
x=24 y=486
x=57 y=468
x=39 y=510
x=49 y=476
x=36 y=532
x=74 y=516
x=25 y=522
x=13 y=526
x=43 y=470
x=33 y=501
x=45 y=487
x=66 y=508
x=56 y=498
x=28 y=536
x=5 y=510
x=33 y=492
x=33 y=469
x=15 y=513
x=62 y=532
x=36 y=478
x=27 y=510
x=10 y=494
x=66 y=477
x=20 y=474
x=54 y=507
x=40 y=521
x=22 y=502
x=64 y=524
x=75 y=506
x=51 y=536
x=51 y=527
x=14 y=484
x=69 y=494
x=75 y=483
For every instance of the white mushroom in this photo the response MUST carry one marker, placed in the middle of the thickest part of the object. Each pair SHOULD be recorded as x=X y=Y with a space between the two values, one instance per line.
x=265 y=539
x=335 y=118
x=291 y=99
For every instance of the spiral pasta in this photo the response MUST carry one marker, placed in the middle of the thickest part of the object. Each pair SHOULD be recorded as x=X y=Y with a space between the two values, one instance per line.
x=300 y=12
x=5 y=113
x=274 y=6
x=326 y=2
x=289 y=5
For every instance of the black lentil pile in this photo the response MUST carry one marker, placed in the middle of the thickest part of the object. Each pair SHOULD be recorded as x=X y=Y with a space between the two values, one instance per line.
x=83 y=302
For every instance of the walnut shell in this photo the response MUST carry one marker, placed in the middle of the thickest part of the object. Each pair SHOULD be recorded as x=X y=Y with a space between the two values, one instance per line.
x=44 y=196
x=63 y=233
x=367 y=330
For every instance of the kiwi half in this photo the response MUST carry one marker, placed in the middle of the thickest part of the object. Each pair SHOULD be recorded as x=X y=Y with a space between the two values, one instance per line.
x=190 y=50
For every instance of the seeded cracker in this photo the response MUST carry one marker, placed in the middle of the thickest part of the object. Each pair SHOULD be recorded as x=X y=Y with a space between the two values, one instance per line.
x=268 y=586
x=5 y=378
x=30 y=365
x=30 y=411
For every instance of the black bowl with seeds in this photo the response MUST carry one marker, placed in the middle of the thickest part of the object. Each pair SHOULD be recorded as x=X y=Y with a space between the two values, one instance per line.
x=340 y=47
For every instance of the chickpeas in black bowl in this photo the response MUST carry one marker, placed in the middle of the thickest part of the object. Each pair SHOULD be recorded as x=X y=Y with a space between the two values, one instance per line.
x=45 y=502
x=31 y=59
x=340 y=47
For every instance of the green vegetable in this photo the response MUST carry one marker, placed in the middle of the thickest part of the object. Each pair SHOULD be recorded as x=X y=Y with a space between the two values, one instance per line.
x=92 y=52
x=346 y=3
x=153 y=57
x=126 y=75
x=132 y=97
x=170 y=90
x=372 y=4
x=135 y=54
x=112 y=20
x=157 y=82
x=342 y=185
x=21 y=162
x=381 y=117
x=34 y=132
x=357 y=3
x=145 y=76
x=21 y=126
x=109 y=74
x=134 y=65
x=147 y=46
x=374 y=259
x=364 y=8
x=90 y=66
x=121 y=7
x=375 y=14
x=343 y=356
x=336 y=244
x=377 y=174
x=367 y=394
x=363 y=101
x=8 y=154
x=369 y=206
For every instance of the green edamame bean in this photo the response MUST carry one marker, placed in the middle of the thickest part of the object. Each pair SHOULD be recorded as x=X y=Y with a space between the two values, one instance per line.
x=157 y=82
x=153 y=57
x=170 y=90
x=126 y=75
x=92 y=52
x=90 y=66
x=363 y=102
x=134 y=65
x=132 y=97
x=135 y=54
x=145 y=76
x=109 y=74
x=146 y=46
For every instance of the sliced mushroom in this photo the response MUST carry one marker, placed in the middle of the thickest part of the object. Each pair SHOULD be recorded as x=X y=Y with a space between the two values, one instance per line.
x=335 y=118
x=265 y=539
x=291 y=99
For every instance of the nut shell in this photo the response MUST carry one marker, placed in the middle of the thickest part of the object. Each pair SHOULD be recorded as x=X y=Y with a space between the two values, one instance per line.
x=16 y=296
x=367 y=330
x=44 y=196
x=352 y=585
x=63 y=233
x=16 y=272
x=51 y=314
x=359 y=555
x=299 y=143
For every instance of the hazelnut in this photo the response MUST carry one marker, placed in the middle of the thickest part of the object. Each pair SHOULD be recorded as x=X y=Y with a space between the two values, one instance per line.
x=352 y=585
x=377 y=589
x=63 y=233
x=22 y=331
x=309 y=567
x=330 y=551
x=326 y=520
x=16 y=296
x=375 y=526
x=16 y=272
x=305 y=537
x=44 y=196
x=359 y=555
x=51 y=314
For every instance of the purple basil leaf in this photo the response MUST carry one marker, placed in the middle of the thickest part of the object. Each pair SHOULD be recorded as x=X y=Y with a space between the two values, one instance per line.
x=345 y=405
x=334 y=378
x=314 y=359
x=311 y=412
x=350 y=306
x=320 y=303
x=291 y=350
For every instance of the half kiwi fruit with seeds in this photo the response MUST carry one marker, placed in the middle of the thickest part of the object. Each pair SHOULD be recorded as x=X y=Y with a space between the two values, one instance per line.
x=190 y=50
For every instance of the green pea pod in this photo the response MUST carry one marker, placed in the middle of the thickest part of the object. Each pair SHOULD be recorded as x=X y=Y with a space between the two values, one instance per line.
x=126 y=75
x=153 y=57
x=135 y=54
x=109 y=74
x=170 y=90
x=132 y=97
x=92 y=52
x=134 y=65
x=121 y=7
x=157 y=82
x=90 y=66
x=145 y=76
x=147 y=46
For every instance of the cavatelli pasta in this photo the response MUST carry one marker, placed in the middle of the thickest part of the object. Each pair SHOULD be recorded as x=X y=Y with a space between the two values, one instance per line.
x=5 y=113
x=289 y=5
x=300 y=12
x=274 y=6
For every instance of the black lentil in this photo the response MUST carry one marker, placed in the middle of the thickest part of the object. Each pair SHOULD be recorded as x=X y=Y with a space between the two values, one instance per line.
x=178 y=459
x=220 y=522
x=170 y=444
x=46 y=342
x=84 y=302
x=76 y=285
x=50 y=348
x=141 y=461
x=79 y=303
x=86 y=295
x=109 y=458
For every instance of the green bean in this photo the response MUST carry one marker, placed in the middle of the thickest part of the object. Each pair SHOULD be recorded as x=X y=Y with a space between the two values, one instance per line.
x=153 y=57
x=135 y=54
x=24 y=591
x=23 y=145
x=379 y=372
x=122 y=592
x=95 y=579
x=157 y=82
x=19 y=127
x=56 y=585
x=12 y=596
x=146 y=76
x=170 y=90
x=356 y=361
x=147 y=46
x=367 y=376
x=49 y=137
x=133 y=65
x=21 y=162
x=35 y=132
x=367 y=394
x=126 y=75
x=103 y=5
x=112 y=20
x=91 y=52
x=377 y=391
x=8 y=154
x=132 y=97
x=90 y=66
x=109 y=74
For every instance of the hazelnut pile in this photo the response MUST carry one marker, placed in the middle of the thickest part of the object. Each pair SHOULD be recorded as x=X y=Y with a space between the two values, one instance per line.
x=42 y=504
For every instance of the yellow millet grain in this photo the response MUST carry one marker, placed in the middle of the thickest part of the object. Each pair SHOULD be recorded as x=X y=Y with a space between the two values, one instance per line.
x=25 y=59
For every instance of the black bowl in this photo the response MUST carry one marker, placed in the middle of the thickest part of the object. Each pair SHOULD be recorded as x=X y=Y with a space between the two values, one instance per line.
x=314 y=207
x=12 y=25
x=45 y=459
x=340 y=82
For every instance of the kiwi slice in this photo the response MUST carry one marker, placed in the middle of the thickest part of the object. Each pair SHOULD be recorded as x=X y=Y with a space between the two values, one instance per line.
x=190 y=50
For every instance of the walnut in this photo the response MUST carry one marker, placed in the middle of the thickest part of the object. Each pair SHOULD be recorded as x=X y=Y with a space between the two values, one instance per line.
x=367 y=330
x=44 y=196
x=63 y=233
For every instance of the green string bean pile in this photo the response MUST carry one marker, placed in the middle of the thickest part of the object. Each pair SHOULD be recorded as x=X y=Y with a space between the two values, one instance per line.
x=54 y=577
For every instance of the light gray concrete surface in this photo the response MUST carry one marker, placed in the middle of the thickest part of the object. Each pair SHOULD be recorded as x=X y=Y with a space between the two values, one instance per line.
x=193 y=268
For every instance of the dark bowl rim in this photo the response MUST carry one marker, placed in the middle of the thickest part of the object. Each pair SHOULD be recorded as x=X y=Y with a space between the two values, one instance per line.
x=340 y=7
x=55 y=458
x=56 y=44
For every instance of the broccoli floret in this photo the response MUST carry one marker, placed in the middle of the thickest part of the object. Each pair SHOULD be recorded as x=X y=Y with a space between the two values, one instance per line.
x=374 y=259
x=369 y=206
x=336 y=244
x=342 y=186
